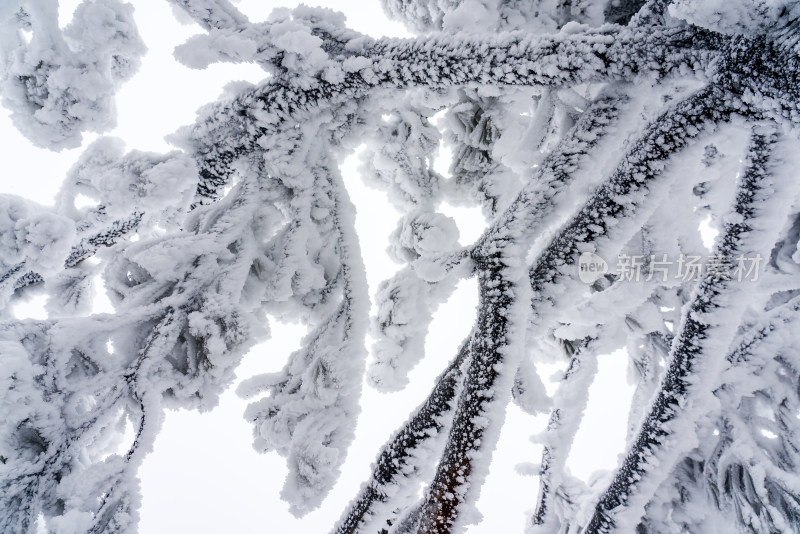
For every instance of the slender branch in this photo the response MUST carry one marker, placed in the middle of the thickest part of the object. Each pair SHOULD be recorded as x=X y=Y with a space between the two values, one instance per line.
x=397 y=454
x=213 y=14
x=548 y=189
x=657 y=441
x=487 y=387
x=619 y=198
x=625 y=191
x=545 y=192
x=613 y=201
x=568 y=407
x=88 y=246
x=514 y=59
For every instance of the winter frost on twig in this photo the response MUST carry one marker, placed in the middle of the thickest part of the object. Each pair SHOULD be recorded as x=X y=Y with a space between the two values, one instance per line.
x=704 y=332
x=312 y=402
x=58 y=83
x=404 y=459
x=580 y=128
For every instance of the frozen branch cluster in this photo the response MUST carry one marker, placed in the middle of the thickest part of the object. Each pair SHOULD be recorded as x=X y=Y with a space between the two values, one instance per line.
x=582 y=129
x=59 y=82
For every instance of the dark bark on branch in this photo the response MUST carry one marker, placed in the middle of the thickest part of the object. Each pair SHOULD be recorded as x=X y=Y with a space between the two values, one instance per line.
x=625 y=191
x=687 y=352
x=513 y=59
x=393 y=460
x=467 y=440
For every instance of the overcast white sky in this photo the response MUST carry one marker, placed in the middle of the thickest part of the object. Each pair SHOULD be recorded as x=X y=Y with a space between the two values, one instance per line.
x=203 y=476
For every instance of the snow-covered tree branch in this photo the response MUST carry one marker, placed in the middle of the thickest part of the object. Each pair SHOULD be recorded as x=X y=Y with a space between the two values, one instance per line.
x=596 y=137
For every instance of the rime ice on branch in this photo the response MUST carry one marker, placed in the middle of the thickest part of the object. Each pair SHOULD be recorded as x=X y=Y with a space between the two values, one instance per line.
x=585 y=126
